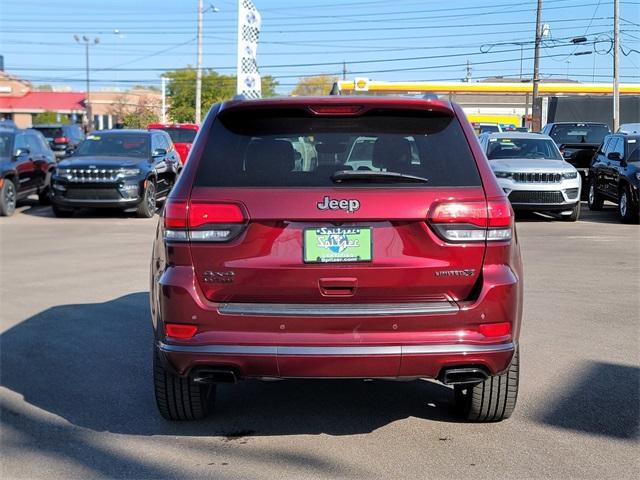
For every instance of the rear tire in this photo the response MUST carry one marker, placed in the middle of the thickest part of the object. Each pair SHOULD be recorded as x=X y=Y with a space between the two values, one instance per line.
x=62 y=212
x=594 y=199
x=147 y=208
x=492 y=400
x=627 y=209
x=8 y=198
x=574 y=215
x=180 y=398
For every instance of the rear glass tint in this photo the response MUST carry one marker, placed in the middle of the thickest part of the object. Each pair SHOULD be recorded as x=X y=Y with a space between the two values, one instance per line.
x=291 y=148
x=579 y=133
x=50 y=132
x=181 y=135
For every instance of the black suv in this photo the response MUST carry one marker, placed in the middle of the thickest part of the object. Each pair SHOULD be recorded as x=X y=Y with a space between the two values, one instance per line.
x=615 y=175
x=118 y=169
x=64 y=139
x=26 y=164
x=578 y=142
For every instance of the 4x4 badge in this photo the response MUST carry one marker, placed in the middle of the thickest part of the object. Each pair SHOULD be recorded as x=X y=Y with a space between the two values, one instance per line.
x=350 y=205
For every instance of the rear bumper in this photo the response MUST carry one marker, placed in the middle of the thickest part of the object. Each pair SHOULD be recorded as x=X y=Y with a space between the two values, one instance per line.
x=386 y=361
x=336 y=340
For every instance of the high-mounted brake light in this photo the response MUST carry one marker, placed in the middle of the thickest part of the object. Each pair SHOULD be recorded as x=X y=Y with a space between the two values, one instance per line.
x=180 y=330
x=202 y=222
x=335 y=109
x=462 y=222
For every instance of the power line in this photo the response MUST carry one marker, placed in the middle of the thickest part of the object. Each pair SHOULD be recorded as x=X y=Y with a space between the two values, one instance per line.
x=299 y=65
x=154 y=31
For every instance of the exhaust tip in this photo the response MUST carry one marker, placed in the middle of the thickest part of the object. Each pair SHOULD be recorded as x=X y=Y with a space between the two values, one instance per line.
x=208 y=376
x=462 y=376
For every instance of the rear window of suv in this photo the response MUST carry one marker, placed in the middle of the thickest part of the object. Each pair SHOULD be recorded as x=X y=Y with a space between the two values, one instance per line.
x=293 y=148
x=579 y=133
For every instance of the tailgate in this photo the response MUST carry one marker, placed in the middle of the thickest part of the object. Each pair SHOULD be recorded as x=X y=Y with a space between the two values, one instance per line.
x=266 y=263
x=333 y=200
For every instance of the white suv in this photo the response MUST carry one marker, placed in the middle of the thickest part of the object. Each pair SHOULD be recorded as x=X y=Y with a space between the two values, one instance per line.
x=532 y=172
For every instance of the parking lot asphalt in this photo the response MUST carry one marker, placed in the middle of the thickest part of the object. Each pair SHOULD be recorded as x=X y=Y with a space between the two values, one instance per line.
x=76 y=395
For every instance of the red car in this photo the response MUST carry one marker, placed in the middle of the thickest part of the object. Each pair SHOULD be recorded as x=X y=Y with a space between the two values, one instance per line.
x=182 y=135
x=337 y=237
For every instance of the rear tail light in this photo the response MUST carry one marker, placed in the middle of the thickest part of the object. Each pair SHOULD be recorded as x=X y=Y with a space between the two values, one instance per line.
x=202 y=222
x=180 y=330
x=60 y=140
x=462 y=222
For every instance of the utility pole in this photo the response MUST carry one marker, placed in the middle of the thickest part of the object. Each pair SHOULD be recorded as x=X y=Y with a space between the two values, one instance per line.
x=344 y=70
x=198 y=116
x=536 y=113
x=616 y=65
x=87 y=43
x=467 y=76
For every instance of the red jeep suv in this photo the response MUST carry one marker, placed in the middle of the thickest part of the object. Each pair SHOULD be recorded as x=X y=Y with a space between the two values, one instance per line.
x=336 y=237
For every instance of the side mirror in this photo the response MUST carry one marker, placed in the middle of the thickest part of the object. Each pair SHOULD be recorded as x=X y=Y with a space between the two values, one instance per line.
x=20 y=152
x=159 y=152
x=614 y=156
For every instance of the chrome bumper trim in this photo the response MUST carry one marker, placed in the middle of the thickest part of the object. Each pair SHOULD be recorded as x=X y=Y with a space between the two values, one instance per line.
x=335 y=310
x=336 y=351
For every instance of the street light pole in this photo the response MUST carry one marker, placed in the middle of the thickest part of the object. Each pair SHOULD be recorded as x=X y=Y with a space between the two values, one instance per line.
x=87 y=42
x=198 y=116
x=86 y=62
x=163 y=83
x=616 y=65
x=535 y=107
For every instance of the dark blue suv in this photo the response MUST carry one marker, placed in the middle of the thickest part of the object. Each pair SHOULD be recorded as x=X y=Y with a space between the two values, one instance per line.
x=615 y=175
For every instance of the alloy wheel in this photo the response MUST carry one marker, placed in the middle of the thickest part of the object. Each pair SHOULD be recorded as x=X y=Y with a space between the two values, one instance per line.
x=151 y=196
x=592 y=194
x=10 y=196
x=623 y=204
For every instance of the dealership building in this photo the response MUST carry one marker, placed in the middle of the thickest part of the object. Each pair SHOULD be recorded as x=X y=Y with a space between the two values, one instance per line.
x=20 y=101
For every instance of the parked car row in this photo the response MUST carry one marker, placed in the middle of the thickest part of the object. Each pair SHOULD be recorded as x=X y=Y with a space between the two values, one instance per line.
x=546 y=172
x=126 y=169
x=607 y=165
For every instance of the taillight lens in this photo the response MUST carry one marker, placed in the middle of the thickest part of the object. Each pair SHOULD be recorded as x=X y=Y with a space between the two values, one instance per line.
x=462 y=222
x=60 y=140
x=202 y=222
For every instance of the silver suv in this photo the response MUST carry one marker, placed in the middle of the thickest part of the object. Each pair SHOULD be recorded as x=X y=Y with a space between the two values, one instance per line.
x=532 y=172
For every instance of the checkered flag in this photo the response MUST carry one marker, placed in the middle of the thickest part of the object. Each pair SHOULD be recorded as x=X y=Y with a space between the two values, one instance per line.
x=249 y=82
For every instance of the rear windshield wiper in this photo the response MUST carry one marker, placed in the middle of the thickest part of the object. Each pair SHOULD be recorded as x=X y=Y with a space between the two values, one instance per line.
x=375 y=176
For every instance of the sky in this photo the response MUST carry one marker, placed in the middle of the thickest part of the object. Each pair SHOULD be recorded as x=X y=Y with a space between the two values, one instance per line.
x=391 y=40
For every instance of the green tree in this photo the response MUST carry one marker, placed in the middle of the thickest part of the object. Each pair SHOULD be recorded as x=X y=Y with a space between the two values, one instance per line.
x=181 y=90
x=45 y=117
x=318 y=85
x=144 y=113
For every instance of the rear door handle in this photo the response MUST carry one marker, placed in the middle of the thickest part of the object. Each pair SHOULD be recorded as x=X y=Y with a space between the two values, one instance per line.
x=338 y=287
